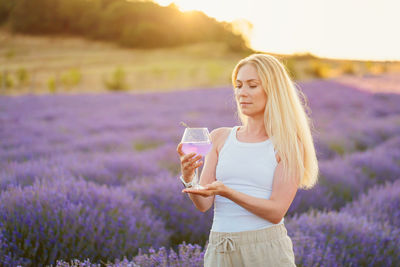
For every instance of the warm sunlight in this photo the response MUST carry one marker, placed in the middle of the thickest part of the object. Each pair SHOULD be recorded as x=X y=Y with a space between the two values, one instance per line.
x=355 y=29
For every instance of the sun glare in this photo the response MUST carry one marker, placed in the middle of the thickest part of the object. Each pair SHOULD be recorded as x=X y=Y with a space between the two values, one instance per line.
x=222 y=10
x=288 y=26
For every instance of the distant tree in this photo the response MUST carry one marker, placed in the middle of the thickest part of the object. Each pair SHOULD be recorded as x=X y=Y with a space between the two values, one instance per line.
x=143 y=24
x=6 y=7
x=22 y=76
x=117 y=80
x=348 y=68
x=318 y=69
x=5 y=80
x=36 y=17
x=52 y=84
x=71 y=78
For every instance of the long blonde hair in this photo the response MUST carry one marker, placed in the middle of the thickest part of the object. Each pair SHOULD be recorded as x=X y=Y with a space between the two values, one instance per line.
x=285 y=119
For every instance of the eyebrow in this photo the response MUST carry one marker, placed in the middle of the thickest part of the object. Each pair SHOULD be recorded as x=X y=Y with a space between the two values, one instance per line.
x=248 y=80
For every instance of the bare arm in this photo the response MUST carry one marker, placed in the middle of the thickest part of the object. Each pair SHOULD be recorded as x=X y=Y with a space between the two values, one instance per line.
x=203 y=203
x=272 y=209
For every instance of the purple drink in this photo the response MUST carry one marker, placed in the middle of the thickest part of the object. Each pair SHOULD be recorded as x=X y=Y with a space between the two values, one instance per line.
x=201 y=148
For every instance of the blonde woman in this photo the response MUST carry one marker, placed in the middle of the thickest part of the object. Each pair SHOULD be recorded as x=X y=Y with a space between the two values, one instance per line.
x=253 y=171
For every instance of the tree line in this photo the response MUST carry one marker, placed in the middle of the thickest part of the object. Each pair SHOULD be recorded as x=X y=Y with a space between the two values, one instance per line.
x=139 y=24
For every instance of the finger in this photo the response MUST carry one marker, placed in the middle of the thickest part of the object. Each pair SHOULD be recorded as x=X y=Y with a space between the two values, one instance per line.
x=190 y=161
x=195 y=159
x=215 y=184
x=201 y=192
x=192 y=165
x=198 y=190
x=196 y=165
x=179 y=150
x=191 y=190
x=210 y=186
x=188 y=157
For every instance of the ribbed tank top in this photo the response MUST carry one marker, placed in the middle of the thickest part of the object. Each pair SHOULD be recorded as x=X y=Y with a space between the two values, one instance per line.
x=248 y=168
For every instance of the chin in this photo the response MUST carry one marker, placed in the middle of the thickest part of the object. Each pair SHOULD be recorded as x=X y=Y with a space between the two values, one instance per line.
x=249 y=113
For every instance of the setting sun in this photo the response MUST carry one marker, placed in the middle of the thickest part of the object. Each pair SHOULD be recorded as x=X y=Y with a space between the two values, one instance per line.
x=338 y=29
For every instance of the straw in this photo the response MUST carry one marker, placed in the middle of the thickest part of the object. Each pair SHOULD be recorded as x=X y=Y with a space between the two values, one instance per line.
x=184 y=124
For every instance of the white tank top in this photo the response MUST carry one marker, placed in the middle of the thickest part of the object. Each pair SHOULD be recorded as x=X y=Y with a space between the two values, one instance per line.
x=248 y=168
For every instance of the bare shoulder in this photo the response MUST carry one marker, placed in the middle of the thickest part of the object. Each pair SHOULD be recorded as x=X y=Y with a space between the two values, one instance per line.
x=219 y=133
x=219 y=136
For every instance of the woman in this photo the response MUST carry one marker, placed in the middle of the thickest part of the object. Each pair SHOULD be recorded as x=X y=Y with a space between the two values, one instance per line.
x=253 y=171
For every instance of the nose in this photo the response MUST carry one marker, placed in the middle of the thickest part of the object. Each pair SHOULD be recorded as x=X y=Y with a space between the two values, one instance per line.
x=242 y=92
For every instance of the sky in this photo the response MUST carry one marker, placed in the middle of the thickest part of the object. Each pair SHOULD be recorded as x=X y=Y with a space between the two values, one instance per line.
x=342 y=29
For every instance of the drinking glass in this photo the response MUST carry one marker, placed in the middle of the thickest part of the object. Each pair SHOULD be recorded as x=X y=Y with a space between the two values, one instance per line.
x=196 y=140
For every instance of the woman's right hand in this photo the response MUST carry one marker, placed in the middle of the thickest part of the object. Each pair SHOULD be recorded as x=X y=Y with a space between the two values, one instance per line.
x=188 y=163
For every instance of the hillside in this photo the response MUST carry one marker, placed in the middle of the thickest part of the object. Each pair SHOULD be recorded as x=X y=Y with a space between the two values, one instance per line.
x=38 y=64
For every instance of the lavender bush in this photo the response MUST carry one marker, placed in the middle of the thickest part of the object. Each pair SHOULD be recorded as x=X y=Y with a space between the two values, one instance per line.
x=319 y=238
x=36 y=126
x=71 y=162
x=343 y=179
x=175 y=208
x=187 y=255
x=71 y=219
x=381 y=204
x=340 y=239
x=102 y=168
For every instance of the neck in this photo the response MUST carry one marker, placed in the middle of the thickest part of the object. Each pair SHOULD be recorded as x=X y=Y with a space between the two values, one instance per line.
x=255 y=127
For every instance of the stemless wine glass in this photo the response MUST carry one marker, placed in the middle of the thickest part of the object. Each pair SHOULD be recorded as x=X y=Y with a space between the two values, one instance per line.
x=196 y=140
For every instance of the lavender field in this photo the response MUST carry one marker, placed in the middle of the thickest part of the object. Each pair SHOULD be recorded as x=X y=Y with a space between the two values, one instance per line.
x=91 y=179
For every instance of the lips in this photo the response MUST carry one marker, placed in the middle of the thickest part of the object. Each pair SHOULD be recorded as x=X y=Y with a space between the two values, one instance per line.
x=245 y=103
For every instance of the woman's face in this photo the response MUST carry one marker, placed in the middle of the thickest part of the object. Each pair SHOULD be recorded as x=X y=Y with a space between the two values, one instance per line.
x=250 y=94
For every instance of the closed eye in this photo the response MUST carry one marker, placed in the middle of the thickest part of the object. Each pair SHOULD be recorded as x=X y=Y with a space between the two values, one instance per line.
x=251 y=86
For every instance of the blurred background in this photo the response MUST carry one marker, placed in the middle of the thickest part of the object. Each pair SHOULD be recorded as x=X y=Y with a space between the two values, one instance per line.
x=113 y=45
x=92 y=93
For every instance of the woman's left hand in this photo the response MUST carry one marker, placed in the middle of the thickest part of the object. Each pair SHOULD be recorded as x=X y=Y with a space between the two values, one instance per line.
x=215 y=188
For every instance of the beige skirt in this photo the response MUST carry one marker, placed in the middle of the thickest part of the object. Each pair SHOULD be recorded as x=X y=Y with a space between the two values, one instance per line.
x=270 y=246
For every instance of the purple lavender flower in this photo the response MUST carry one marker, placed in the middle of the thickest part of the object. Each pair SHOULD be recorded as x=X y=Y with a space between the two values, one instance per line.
x=380 y=204
x=124 y=144
x=71 y=219
x=163 y=194
x=340 y=239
